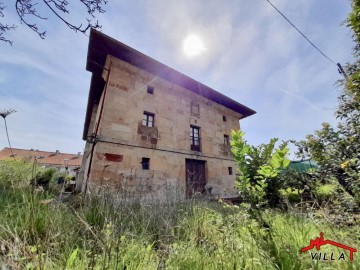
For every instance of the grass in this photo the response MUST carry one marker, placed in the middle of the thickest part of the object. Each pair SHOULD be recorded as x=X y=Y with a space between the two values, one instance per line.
x=105 y=232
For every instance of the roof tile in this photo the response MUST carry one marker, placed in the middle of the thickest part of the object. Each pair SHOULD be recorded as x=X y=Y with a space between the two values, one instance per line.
x=43 y=157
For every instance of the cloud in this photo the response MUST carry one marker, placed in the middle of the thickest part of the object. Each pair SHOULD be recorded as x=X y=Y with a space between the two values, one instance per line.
x=47 y=84
x=252 y=55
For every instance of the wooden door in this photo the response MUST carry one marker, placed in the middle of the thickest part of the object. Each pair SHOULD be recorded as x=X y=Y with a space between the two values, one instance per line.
x=195 y=177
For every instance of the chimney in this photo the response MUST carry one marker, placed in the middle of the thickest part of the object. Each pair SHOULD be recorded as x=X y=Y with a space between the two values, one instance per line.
x=57 y=152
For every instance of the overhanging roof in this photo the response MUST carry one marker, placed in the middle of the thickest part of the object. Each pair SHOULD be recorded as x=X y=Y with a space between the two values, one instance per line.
x=101 y=45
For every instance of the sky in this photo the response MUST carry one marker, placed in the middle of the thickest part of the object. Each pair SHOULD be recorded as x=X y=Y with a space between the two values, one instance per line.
x=251 y=54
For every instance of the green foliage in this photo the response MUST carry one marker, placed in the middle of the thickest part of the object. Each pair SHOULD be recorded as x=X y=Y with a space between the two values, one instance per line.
x=16 y=172
x=292 y=195
x=38 y=233
x=353 y=22
x=291 y=231
x=69 y=178
x=44 y=177
x=327 y=190
x=298 y=180
x=337 y=149
x=70 y=261
x=259 y=168
x=21 y=173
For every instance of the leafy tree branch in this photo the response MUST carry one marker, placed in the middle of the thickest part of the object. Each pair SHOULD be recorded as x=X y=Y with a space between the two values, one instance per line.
x=337 y=149
x=259 y=167
x=28 y=12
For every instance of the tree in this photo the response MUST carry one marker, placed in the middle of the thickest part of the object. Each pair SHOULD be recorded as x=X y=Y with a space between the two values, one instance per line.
x=259 y=168
x=29 y=9
x=337 y=149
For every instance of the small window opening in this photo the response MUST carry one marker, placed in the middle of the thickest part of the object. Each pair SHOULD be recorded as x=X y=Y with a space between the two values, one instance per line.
x=150 y=89
x=224 y=118
x=145 y=162
x=226 y=139
x=230 y=170
x=148 y=119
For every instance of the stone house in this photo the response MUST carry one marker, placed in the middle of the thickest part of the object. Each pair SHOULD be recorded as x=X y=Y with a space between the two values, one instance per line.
x=149 y=127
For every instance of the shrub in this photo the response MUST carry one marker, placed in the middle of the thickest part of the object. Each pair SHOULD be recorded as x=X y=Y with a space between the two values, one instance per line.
x=326 y=192
x=16 y=172
x=259 y=169
x=292 y=195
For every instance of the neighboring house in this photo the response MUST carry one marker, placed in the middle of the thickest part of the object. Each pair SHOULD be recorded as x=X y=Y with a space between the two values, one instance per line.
x=149 y=128
x=67 y=163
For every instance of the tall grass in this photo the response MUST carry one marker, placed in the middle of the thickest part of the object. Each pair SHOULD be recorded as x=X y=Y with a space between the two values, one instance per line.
x=109 y=232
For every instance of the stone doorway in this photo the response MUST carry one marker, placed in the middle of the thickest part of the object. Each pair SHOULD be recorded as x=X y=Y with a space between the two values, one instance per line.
x=195 y=177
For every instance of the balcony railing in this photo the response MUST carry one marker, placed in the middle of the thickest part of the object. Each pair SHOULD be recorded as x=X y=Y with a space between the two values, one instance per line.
x=195 y=144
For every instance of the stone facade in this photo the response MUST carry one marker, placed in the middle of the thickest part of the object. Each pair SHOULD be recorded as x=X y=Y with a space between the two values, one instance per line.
x=131 y=155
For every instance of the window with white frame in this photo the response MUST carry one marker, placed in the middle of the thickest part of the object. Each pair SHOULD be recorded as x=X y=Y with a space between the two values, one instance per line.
x=148 y=119
x=195 y=138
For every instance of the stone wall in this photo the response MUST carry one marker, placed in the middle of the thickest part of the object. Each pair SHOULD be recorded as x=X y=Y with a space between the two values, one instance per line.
x=123 y=141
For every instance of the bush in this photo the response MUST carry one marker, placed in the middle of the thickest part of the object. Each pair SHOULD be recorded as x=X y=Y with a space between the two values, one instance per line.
x=16 y=173
x=259 y=168
x=44 y=177
x=292 y=195
x=326 y=192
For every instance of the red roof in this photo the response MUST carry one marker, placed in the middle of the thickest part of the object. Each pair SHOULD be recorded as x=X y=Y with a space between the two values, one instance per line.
x=43 y=157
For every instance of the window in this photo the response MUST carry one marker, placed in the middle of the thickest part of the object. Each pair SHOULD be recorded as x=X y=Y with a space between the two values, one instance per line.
x=145 y=162
x=150 y=89
x=230 y=170
x=195 y=138
x=226 y=139
x=148 y=119
x=224 y=118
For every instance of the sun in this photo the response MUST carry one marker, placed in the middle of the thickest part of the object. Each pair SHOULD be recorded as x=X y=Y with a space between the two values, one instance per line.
x=193 y=45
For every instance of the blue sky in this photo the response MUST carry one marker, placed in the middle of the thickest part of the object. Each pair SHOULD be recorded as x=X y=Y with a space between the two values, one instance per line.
x=251 y=55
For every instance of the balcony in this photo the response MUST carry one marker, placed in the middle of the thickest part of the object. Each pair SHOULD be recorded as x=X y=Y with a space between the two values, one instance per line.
x=195 y=144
